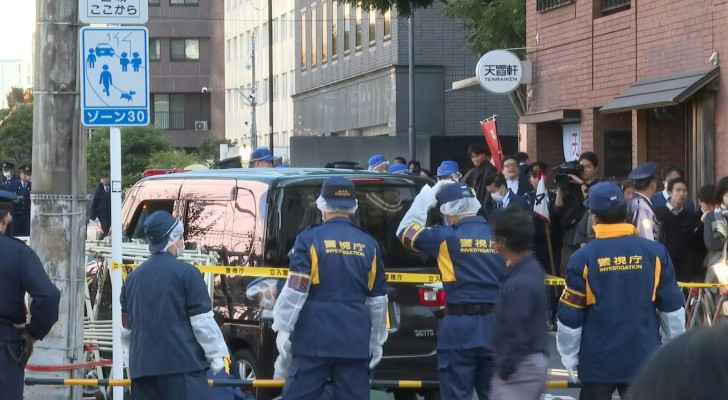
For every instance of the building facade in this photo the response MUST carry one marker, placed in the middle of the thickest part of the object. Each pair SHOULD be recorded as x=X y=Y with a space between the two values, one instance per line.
x=351 y=74
x=247 y=79
x=636 y=80
x=14 y=74
x=187 y=70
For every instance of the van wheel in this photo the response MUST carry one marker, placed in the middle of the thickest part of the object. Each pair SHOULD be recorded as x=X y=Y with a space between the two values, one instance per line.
x=432 y=395
x=405 y=395
x=244 y=367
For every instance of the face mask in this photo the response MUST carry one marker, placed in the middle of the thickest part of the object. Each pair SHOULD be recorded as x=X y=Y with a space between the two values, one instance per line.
x=497 y=197
x=7 y=174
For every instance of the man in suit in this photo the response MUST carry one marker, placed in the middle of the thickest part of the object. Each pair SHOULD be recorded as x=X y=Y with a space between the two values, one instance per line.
x=101 y=206
x=21 y=214
x=516 y=182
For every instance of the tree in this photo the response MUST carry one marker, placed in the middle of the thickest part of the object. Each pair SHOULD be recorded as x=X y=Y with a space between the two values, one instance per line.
x=18 y=96
x=209 y=150
x=169 y=159
x=403 y=6
x=137 y=147
x=492 y=24
x=16 y=134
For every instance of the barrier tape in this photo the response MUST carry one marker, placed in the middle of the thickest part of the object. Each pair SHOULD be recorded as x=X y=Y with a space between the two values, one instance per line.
x=263 y=383
x=392 y=277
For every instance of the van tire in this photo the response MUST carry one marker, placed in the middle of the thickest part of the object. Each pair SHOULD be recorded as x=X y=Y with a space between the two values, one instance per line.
x=245 y=364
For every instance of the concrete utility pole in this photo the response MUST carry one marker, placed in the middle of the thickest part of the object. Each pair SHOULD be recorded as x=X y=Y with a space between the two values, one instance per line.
x=270 y=76
x=58 y=228
x=411 y=53
x=253 y=99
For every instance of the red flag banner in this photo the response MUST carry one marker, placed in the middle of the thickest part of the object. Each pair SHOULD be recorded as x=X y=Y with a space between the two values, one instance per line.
x=490 y=132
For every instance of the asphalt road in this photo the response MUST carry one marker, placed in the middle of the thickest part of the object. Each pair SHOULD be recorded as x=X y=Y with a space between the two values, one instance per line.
x=558 y=373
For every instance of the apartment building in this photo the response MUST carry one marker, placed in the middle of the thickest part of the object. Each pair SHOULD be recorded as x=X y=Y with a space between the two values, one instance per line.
x=187 y=70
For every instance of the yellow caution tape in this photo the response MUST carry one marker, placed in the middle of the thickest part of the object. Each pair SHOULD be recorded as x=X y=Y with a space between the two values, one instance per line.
x=392 y=277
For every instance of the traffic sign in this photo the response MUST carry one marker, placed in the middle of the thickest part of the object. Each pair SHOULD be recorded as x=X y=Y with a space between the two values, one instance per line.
x=499 y=71
x=115 y=12
x=115 y=74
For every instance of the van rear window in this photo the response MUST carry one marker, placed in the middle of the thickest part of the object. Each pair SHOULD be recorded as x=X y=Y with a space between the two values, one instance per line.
x=381 y=208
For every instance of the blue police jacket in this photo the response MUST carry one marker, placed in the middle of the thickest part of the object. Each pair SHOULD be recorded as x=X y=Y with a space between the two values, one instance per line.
x=471 y=274
x=21 y=272
x=615 y=286
x=157 y=302
x=345 y=265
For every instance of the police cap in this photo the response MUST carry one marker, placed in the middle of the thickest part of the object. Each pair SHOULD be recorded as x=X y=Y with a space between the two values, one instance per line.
x=157 y=227
x=376 y=160
x=7 y=165
x=447 y=168
x=644 y=171
x=261 y=154
x=454 y=192
x=605 y=197
x=7 y=199
x=338 y=193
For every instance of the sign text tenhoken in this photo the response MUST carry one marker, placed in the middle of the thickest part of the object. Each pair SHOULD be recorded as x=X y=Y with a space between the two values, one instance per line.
x=499 y=71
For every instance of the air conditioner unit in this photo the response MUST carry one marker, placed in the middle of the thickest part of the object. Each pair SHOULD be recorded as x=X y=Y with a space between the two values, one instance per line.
x=201 y=125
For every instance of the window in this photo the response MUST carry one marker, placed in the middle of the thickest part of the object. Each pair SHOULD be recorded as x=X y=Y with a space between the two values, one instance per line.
x=372 y=26
x=334 y=27
x=169 y=111
x=358 y=33
x=387 y=24
x=545 y=5
x=304 y=62
x=185 y=49
x=324 y=33
x=612 y=6
x=155 y=49
x=183 y=2
x=153 y=2
x=314 y=61
x=347 y=27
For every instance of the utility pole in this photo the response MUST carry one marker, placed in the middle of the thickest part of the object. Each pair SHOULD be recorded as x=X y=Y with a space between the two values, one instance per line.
x=411 y=45
x=270 y=76
x=253 y=98
x=58 y=227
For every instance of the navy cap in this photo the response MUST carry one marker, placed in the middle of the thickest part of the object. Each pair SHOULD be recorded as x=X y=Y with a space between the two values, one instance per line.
x=644 y=171
x=399 y=169
x=376 y=160
x=157 y=227
x=453 y=192
x=447 y=168
x=7 y=198
x=605 y=196
x=261 y=154
x=338 y=193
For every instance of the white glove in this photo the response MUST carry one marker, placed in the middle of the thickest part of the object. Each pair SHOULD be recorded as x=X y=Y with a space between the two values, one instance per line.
x=376 y=357
x=282 y=366
x=283 y=342
x=125 y=344
x=217 y=365
x=568 y=344
x=573 y=375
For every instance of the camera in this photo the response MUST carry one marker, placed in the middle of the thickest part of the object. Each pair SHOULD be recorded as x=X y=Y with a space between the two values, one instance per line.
x=563 y=171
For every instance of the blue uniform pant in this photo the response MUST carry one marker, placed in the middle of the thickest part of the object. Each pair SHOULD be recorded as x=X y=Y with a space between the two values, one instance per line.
x=11 y=373
x=189 y=386
x=464 y=372
x=310 y=376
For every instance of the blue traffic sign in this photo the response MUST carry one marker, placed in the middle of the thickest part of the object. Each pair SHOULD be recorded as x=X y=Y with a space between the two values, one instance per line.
x=115 y=74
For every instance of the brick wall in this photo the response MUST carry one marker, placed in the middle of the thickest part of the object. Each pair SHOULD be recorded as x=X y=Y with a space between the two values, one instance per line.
x=583 y=62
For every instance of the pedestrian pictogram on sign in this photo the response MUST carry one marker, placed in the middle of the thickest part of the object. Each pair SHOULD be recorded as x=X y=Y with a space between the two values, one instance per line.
x=115 y=74
x=119 y=12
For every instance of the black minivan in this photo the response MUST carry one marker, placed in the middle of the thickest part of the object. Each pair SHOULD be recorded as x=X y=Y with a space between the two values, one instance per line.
x=252 y=216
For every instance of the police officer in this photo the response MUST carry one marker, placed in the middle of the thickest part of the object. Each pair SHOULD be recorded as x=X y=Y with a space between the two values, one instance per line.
x=169 y=326
x=21 y=272
x=330 y=315
x=471 y=272
x=8 y=177
x=620 y=291
x=642 y=210
x=378 y=163
x=399 y=169
x=261 y=158
x=21 y=215
x=449 y=170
